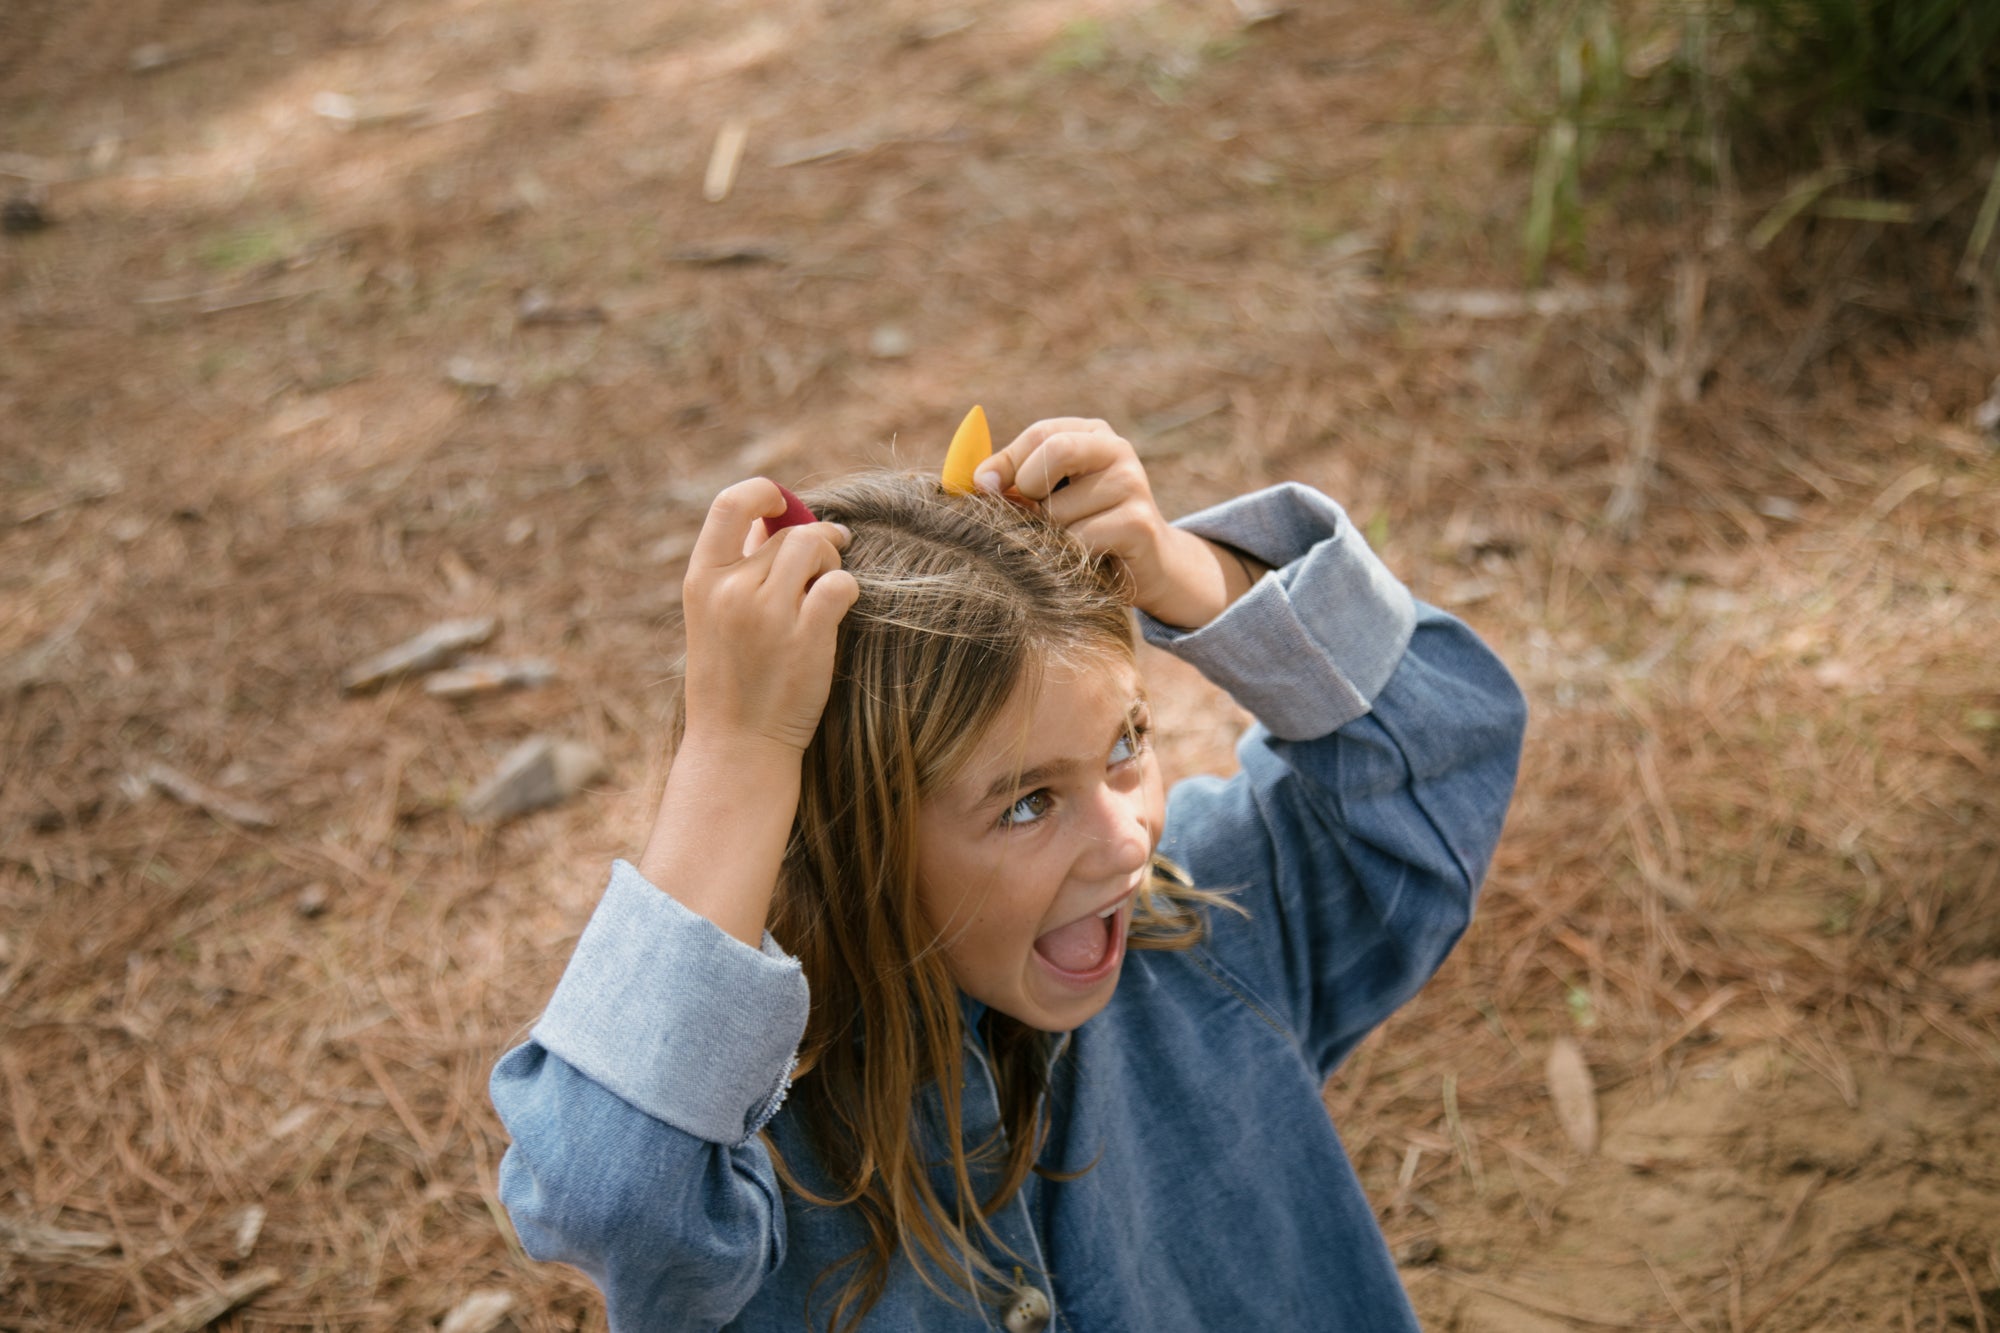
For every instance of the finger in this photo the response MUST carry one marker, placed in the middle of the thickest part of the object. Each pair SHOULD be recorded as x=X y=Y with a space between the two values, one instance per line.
x=837 y=533
x=1065 y=456
x=1085 y=497
x=830 y=598
x=803 y=555
x=1109 y=532
x=754 y=568
x=726 y=532
x=1006 y=463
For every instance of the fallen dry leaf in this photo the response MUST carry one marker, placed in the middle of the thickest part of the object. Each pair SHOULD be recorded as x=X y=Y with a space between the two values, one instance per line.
x=1574 y=1093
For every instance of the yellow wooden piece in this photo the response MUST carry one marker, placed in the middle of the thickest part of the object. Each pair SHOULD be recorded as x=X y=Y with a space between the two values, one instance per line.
x=971 y=445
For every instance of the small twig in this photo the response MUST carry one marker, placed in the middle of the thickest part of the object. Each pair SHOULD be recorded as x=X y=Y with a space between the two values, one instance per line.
x=1798 y=1284
x=1971 y=1288
x=1796 y=201
x=1529 y=1157
x=246 y=302
x=1683 y=370
x=1775 y=1243
x=1703 y=1012
x=1982 y=230
x=1462 y=1141
x=1673 y=1297
x=375 y=1070
x=198 y=1312
x=187 y=791
x=86 y=496
x=1184 y=415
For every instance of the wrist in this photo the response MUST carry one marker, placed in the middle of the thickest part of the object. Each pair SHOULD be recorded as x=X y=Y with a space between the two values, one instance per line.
x=1193 y=581
x=714 y=749
x=718 y=841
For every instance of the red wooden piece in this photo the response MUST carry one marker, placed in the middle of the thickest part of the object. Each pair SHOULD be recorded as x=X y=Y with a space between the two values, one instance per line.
x=795 y=512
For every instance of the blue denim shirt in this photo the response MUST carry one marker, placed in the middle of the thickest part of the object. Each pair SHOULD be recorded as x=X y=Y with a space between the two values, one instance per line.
x=1211 y=1190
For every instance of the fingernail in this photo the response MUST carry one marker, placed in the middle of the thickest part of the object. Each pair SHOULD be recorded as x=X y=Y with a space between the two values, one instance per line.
x=846 y=533
x=987 y=480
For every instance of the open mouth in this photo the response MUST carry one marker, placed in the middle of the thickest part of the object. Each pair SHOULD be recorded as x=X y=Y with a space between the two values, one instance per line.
x=1087 y=951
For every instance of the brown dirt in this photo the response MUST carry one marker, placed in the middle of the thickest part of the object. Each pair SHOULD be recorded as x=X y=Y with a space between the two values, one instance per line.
x=1755 y=867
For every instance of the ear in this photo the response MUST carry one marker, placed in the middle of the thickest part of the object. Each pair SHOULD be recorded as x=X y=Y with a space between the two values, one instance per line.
x=971 y=445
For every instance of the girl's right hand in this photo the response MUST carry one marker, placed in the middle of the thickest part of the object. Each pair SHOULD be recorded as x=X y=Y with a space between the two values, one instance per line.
x=761 y=613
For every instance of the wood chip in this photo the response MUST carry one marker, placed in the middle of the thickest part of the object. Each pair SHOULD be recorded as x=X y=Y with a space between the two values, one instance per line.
x=156 y=56
x=723 y=161
x=198 y=1312
x=538 y=772
x=357 y=113
x=38 y=1244
x=433 y=648
x=488 y=676
x=292 y=1121
x=890 y=342
x=174 y=783
x=1468 y=592
x=473 y=375
x=1251 y=13
x=249 y=1226
x=478 y=1312
x=1987 y=415
x=1516 y=305
x=1574 y=1093
x=537 y=307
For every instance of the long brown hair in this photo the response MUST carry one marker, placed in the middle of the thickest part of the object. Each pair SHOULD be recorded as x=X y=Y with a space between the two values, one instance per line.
x=963 y=597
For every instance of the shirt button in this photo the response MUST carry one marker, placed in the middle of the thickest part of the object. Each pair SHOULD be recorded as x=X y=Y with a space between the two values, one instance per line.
x=1026 y=1311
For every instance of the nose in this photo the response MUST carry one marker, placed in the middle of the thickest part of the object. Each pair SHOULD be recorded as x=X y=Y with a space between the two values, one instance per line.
x=1121 y=835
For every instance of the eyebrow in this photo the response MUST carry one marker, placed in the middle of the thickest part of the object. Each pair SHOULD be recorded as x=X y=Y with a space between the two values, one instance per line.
x=1009 y=783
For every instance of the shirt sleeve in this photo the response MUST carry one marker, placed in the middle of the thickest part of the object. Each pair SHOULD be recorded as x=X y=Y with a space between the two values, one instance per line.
x=1373 y=786
x=634 y=1108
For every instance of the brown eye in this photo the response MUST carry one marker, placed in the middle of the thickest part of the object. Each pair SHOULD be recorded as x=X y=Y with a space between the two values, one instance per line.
x=1029 y=809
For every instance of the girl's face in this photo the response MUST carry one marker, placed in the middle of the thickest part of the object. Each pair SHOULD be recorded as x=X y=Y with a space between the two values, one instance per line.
x=1028 y=862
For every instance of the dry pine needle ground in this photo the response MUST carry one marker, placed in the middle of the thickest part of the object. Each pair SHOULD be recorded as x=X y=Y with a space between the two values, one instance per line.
x=290 y=378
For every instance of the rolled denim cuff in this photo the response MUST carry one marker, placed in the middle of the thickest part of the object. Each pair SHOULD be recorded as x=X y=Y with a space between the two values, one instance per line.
x=1308 y=648
x=679 y=1018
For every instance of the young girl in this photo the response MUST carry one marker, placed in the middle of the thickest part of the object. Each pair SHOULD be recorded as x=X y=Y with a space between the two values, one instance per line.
x=913 y=826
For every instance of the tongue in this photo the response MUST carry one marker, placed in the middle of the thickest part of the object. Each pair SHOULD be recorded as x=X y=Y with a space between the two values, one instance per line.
x=1077 y=947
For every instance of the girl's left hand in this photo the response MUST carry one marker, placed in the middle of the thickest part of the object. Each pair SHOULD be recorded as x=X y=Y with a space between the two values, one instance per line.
x=1088 y=478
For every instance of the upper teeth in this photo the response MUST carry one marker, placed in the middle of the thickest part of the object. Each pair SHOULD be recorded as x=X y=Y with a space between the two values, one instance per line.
x=1108 y=911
